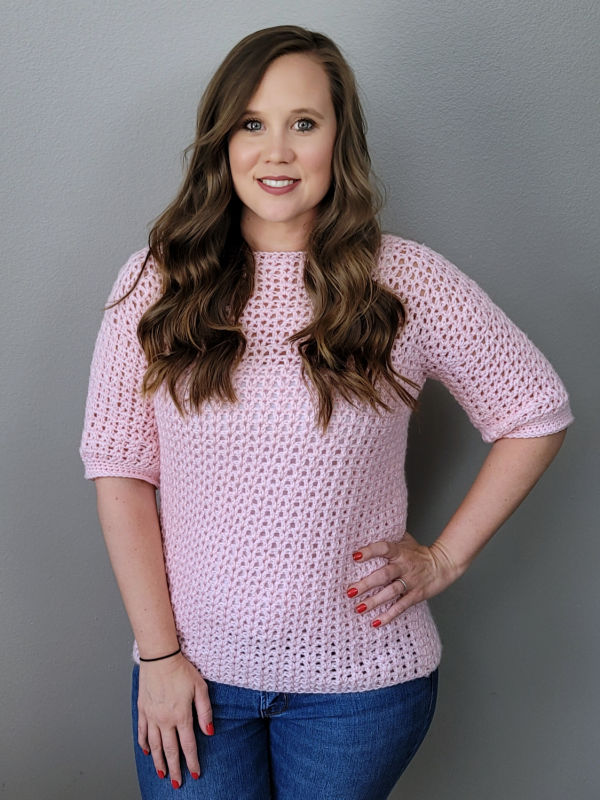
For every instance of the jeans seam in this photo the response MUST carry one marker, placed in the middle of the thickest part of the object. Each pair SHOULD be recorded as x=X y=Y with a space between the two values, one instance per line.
x=426 y=723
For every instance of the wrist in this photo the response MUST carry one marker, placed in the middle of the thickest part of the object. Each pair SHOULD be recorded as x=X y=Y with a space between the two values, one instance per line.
x=448 y=560
x=163 y=657
x=163 y=666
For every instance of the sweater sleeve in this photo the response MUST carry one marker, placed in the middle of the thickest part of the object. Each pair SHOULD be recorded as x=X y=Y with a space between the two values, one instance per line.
x=505 y=384
x=120 y=437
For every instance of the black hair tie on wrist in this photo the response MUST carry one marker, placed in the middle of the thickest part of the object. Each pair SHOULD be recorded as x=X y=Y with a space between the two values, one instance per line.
x=160 y=658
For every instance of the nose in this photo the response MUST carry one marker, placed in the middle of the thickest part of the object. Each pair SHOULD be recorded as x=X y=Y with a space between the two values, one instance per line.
x=277 y=147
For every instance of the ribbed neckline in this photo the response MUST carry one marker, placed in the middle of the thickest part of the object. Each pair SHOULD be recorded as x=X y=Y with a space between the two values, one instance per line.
x=278 y=252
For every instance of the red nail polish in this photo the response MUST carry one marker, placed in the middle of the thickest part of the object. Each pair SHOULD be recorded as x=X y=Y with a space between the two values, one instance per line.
x=357 y=556
x=210 y=729
x=352 y=592
x=376 y=623
x=175 y=784
x=195 y=776
x=160 y=773
x=145 y=752
x=362 y=607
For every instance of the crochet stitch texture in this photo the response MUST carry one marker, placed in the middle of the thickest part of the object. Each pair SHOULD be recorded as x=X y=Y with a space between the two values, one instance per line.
x=260 y=511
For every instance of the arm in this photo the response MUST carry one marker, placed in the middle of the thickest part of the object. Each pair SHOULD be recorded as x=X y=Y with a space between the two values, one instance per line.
x=129 y=519
x=509 y=472
x=167 y=688
x=120 y=448
x=511 y=394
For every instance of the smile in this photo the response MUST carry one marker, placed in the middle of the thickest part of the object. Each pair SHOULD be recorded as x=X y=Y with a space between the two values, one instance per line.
x=277 y=184
x=278 y=187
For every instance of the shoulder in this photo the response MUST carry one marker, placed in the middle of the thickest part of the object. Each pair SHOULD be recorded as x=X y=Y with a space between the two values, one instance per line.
x=140 y=279
x=421 y=276
x=414 y=266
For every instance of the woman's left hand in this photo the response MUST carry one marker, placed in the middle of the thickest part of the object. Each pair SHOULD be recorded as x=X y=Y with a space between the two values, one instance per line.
x=426 y=571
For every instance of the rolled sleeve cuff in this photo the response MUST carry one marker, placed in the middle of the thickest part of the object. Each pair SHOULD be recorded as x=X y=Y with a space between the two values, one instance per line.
x=544 y=425
x=104 y=469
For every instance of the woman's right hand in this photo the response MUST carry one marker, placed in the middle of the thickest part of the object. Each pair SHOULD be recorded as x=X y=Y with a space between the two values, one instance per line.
x=167 y=691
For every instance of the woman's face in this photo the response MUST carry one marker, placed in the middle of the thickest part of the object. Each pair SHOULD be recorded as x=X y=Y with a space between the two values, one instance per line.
x=287 y=132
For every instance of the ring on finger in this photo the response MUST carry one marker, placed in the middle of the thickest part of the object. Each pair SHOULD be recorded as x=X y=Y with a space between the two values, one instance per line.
x=401 y=580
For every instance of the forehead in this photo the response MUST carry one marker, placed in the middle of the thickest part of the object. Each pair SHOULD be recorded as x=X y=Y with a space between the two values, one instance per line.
x=293 y=80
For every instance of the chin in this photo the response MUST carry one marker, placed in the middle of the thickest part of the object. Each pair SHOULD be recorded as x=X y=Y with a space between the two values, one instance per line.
x=279 y=217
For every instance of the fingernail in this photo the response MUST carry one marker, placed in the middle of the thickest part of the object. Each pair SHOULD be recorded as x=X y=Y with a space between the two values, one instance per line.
x=160 y=773
x=376 y=623
x=362 y=607
x=175 y=784
x=195 y=776
x=210 y=729
x=352 y=592
x=357 y=556
x=145 y=752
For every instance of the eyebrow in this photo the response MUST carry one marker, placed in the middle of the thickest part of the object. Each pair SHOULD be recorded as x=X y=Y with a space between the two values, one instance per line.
x=294 y=111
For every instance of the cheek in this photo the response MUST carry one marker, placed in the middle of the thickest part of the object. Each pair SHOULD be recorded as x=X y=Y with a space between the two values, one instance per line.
x=240 y=158
x=320 y=162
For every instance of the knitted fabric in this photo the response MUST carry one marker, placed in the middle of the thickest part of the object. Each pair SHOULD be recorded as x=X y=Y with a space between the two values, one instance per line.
x=260 y=511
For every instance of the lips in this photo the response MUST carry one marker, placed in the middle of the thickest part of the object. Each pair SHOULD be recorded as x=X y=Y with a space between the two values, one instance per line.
x=278 y=178
x=279 y=183
x=278 y=186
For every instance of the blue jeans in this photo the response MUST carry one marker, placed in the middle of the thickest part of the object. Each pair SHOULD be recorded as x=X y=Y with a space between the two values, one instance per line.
x=326 y=746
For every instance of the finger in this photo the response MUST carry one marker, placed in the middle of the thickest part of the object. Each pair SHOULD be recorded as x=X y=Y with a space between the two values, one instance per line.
x=142 y=733
x=155 y=742
x=409 y=599
x=367 y=551
x=187 y=739
x=170 y=745
x=391 y=592
x=204 y=709
x=382 y=548
x=379 y=577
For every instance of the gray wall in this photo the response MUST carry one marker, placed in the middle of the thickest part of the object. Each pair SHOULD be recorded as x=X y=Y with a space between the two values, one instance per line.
x=483 y=123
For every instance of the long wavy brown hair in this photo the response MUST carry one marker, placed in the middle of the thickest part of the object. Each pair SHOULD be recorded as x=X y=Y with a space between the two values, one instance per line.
x=191 y=336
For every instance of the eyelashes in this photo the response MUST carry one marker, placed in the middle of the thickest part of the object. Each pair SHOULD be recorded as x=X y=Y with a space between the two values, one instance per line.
x=246 y=122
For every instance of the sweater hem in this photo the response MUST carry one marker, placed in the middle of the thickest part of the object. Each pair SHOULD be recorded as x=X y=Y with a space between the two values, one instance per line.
x=426 y=670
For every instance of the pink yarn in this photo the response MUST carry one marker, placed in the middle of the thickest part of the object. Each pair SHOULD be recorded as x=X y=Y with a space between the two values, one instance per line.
x=260 y=512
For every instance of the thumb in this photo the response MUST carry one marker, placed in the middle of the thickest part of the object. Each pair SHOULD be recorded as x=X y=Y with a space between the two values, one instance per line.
x=408 y=540
x=204 y=709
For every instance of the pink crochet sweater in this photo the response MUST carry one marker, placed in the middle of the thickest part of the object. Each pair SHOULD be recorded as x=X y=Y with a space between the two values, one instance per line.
x=260 y=512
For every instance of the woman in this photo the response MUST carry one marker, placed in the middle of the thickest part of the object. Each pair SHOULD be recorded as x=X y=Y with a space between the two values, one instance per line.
x=259 y=362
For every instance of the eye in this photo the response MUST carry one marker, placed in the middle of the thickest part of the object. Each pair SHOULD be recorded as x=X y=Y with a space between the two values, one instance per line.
x=302 y=121
x=310 y=122
x=247 y=122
